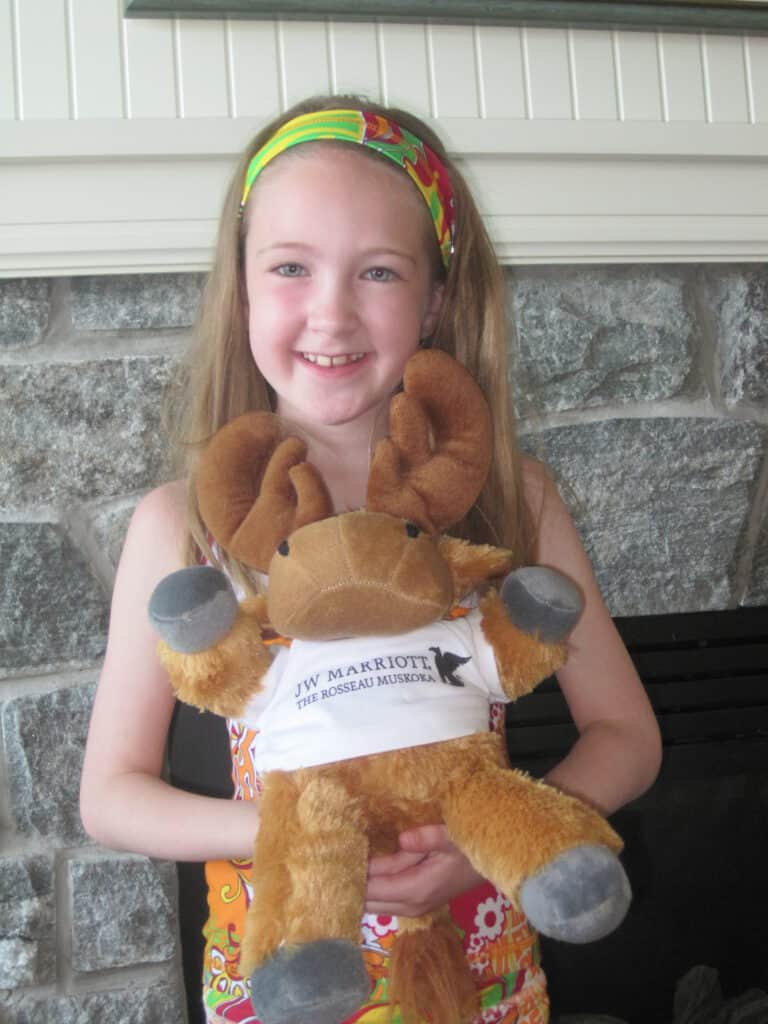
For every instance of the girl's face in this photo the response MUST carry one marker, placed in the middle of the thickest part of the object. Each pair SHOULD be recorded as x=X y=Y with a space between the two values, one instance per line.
x=340 y=282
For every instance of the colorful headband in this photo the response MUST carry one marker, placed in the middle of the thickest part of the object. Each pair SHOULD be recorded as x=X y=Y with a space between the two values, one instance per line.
x=422 y=165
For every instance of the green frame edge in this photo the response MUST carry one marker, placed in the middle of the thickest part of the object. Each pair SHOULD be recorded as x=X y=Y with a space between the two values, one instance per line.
x=647 y=14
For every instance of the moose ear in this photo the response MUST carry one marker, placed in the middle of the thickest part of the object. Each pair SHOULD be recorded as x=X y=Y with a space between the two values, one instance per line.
x=254 y=488
x=433 y=465
x=473 y=564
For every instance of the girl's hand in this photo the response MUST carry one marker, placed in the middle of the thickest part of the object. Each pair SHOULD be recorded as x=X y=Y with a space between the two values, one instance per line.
x=425 y=873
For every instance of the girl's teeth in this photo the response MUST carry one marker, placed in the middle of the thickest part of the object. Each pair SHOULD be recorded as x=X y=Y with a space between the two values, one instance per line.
x=311 y=357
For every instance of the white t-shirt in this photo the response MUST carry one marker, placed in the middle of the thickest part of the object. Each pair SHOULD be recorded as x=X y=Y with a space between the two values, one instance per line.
x=331 y=700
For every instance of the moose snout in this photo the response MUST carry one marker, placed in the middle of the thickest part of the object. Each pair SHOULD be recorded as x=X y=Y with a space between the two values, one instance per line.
x=357 y=574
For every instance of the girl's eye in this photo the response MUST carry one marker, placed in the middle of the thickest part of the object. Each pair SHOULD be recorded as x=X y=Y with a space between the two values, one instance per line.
x=290 y=270
x=380 y=274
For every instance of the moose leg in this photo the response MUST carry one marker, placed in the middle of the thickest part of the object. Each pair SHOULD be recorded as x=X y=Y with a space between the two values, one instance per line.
x=317 y=972
x=429 y=976
x=270 y=879
x=548 y=850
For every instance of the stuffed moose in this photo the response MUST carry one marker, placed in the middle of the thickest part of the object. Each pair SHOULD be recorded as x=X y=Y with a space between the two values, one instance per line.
x=375 y=718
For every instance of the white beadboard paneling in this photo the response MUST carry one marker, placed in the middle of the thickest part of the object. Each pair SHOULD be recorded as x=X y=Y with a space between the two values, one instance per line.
x=254 y=70
x=454 y=70
x=7 y=63
x=501 y=72
x=683 y=77
x=757 y=56
x=404 y=72
x=593 y=75
x=43 y=50
x=637 y=70
x=548 y=71
x=354 y=58
x=202 y=68
x=727 y=78
x=150 y=72
x=96 y=61
x=304 y=60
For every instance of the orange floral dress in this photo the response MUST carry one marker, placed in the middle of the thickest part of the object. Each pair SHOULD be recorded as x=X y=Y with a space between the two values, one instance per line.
x=501 y=948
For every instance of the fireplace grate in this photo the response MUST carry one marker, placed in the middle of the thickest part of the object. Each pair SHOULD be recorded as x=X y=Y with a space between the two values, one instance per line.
x=706 y=674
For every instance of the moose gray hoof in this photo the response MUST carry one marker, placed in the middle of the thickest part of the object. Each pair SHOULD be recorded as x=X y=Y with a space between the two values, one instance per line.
x=323 y=982
x=581 y=896
x=192 y=609
x=542 y=601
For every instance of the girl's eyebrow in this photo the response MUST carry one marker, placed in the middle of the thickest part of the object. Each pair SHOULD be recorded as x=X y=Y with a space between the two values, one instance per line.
x=365 y=254
x=387 y=251
x=284 y=245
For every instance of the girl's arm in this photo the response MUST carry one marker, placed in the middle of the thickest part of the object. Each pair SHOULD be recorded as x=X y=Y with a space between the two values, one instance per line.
x=124 y=802
x=615 y=759
x=618 y=753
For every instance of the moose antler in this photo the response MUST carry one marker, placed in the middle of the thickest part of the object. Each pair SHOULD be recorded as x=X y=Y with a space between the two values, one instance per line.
x=254 y=488
x=433 y=465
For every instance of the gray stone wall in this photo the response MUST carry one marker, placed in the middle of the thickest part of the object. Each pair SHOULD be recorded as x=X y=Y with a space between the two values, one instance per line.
x=86 y=934
x=644 y=388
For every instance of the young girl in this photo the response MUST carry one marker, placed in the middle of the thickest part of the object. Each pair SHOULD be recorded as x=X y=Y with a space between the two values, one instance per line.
x=348 y=239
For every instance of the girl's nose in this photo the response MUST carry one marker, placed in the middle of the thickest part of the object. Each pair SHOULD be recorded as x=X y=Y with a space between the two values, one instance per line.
x=332 y=308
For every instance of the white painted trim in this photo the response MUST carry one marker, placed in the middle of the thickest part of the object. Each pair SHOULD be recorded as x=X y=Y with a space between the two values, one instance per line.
x=115 y=138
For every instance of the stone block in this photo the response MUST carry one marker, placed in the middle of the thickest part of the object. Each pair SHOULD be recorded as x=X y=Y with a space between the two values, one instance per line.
x=80 y=432
x=110 y=526
x=662 y=505
x=122 y=912
x=27 y=920
x=591 y=336
x=24 y=311
x=156 y=1004
x=737 y=300
x=53 y=611
x=135 y=301
x=44 y=738
x=757 y=591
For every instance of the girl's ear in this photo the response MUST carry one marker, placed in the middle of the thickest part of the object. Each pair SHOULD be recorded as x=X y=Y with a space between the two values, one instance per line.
x=432 y=312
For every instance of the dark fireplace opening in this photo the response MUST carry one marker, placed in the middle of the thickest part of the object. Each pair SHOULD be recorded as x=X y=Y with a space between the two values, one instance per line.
x=696 y=845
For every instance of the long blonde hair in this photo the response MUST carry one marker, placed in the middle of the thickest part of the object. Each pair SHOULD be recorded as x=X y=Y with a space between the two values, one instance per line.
x=220 y=379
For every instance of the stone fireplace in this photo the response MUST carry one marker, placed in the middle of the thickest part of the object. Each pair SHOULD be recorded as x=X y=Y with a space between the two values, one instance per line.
x=643 y=386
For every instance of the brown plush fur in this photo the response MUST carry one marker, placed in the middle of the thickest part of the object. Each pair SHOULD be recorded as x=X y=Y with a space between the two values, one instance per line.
x=428 y=974
x=320 y=824
x=522 y=660
x=439 y=449
x=240 y=658
x=367 y=573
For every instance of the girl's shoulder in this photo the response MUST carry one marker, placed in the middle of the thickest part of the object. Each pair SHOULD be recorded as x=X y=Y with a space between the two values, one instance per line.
x=157 y=529
x=558 y=542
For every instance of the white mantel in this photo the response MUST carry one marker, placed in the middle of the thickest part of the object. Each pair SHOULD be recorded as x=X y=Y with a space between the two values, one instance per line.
x=117 y=137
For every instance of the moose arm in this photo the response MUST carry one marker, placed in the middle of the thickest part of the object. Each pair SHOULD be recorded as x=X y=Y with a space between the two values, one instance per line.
x=225 y=675
x=522 y=659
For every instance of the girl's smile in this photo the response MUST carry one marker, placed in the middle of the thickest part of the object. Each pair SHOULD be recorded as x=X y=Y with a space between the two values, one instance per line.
x=340 y=265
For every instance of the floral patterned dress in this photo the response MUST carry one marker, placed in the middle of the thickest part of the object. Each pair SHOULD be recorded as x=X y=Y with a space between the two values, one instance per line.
x=501 y=949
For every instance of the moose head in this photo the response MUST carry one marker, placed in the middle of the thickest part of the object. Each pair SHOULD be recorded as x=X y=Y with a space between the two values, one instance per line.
x=382 y=570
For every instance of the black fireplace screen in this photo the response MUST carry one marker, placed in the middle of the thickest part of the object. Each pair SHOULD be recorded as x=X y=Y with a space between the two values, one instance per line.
x=696 y=844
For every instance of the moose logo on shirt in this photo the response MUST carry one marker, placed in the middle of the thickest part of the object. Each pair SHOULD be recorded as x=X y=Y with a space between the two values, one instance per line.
x=446 y=664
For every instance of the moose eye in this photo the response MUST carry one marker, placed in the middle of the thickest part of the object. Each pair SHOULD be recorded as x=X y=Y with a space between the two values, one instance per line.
x=412 y=529
x=282 y=547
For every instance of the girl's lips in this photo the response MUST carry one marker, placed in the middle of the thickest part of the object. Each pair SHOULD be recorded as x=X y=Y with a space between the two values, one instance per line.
x=340 y=360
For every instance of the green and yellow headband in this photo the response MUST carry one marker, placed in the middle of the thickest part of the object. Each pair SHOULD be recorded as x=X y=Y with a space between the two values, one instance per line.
x=421 y=164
